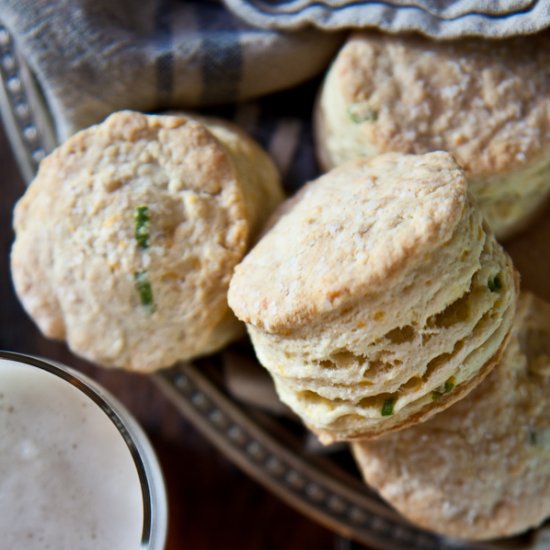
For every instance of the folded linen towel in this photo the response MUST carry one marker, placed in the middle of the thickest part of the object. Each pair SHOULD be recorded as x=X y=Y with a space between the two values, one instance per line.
x=93 y=57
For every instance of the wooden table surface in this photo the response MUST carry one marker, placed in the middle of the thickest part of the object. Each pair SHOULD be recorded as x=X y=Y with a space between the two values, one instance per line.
x=212 y=504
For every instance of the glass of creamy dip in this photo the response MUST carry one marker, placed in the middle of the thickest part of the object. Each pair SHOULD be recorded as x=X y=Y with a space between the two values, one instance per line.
x=76 y=471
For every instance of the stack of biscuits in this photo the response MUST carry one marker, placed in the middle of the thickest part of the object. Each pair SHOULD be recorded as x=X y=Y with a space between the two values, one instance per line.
x=378 y=297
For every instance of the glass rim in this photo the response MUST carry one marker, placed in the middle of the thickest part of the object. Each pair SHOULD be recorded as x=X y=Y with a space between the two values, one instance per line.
x=128 y=428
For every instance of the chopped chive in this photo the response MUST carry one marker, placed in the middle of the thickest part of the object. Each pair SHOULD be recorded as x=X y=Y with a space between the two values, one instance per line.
x=387 y=407
x=142 y=226
x=533 y=438
x=144 y=289
x=443 y=389
x=494 y=284
x=449 y=385
x=361 y=112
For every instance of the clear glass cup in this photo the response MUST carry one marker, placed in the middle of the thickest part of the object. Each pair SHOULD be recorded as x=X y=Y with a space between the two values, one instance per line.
x=74 y=464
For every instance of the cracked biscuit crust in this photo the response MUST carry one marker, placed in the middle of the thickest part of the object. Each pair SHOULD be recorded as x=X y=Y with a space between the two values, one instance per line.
x=485 y=101
x=347 y=234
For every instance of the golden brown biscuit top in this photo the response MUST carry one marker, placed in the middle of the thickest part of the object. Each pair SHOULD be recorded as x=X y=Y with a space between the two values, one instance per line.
x=98 y=179
x=346 y=234
x=487 y=102
x=138 y=223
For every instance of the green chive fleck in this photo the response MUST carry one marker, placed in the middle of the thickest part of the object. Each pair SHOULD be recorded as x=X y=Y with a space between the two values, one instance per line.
x=533 y=438
x=387 y=407
x=443 y=389
x=142 y=226
x=361 y=112
x=494 y=284
x=143 y=286
x=449 y=385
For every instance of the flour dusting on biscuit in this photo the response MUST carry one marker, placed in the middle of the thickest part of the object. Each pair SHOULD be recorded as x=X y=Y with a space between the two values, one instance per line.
x=486 y=102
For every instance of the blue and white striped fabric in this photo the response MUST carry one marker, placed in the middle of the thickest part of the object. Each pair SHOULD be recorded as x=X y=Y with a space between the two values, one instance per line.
x=442 y=19
x=93 y=57
x=281 y=123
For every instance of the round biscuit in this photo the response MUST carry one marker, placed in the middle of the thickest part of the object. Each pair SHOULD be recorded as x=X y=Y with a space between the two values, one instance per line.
x=351 y=303
x=128 y=236
x=486 y=102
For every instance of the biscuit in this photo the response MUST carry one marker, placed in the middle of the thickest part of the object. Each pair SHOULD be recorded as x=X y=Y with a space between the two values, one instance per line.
x=486 y=102
x=377 y=289
x=480 y=469
x=128 y=236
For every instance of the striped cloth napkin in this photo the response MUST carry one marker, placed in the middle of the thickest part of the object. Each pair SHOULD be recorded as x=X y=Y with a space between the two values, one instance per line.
x=440 y=19
x=93 y=57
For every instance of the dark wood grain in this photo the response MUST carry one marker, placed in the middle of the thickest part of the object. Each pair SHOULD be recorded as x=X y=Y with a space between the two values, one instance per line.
x=212 y=504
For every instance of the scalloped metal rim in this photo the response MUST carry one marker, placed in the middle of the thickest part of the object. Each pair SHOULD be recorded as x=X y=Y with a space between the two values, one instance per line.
x=310 y=488
x=25 y=116
x=339 y=506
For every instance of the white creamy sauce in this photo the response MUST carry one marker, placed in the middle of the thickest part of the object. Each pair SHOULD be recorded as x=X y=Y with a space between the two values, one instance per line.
x=67 y=478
